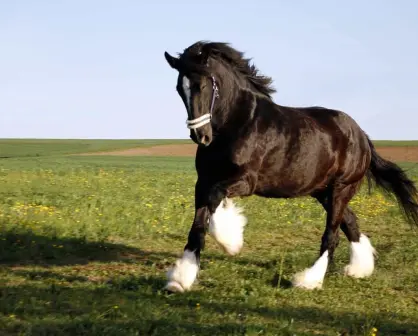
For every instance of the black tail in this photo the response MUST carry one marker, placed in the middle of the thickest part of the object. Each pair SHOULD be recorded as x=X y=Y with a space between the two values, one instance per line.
x=392 y=179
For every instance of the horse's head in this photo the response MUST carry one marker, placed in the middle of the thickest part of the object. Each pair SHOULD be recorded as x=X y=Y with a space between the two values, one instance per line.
x=199 y=90
x=211 y=70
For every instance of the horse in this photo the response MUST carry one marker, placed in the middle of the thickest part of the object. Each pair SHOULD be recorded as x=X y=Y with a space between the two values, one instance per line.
x=249 y=145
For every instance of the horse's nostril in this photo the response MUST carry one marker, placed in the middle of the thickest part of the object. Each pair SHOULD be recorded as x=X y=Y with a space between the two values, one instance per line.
x=205 y=140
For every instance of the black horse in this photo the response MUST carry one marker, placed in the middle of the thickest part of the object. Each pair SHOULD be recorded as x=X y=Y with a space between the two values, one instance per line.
x=248 y=145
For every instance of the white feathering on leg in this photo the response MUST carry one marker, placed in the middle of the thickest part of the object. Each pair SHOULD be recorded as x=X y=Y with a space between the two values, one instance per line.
x=226 y=226
x=361 y=258
x=312 y=277
x=183 y=274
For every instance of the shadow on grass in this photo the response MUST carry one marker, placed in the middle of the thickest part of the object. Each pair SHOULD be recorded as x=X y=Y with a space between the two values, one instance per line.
x=136 y=307
x=65 y=304
x=31 y=249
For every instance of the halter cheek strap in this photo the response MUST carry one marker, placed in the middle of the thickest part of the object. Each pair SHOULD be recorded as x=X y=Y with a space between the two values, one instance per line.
x=206 y=118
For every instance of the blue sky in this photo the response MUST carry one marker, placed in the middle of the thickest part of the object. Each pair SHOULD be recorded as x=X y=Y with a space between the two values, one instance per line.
x=96 y=69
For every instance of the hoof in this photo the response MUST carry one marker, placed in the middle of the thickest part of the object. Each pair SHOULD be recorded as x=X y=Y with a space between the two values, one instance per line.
x=312 y=278
x=182 y=276
x=174 y=287
x=301 y=280
x=361 y=259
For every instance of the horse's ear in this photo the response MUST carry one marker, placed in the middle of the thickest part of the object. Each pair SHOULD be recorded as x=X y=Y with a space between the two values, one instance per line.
x=172 y=61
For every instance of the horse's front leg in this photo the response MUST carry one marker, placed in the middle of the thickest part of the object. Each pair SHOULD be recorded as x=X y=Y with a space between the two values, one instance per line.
x=226 y=222
x=226 y=225
x=182 y=276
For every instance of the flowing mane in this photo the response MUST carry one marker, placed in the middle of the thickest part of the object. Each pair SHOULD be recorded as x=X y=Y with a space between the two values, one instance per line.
x=223 y=52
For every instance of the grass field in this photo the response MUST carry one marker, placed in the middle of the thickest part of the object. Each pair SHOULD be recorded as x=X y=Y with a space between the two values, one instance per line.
x=397 y=143
x=10 y=148
x=85 y=243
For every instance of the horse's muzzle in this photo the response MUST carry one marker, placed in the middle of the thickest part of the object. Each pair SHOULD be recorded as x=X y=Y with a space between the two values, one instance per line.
x=202 y=137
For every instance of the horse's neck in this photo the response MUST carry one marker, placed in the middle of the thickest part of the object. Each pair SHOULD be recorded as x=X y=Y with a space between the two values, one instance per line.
x=238 y=110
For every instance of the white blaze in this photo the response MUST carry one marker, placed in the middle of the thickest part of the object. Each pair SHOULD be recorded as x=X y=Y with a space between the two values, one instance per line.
x=186 y=90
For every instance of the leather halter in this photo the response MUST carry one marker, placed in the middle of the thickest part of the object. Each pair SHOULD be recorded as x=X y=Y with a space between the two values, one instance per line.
x=206 y=118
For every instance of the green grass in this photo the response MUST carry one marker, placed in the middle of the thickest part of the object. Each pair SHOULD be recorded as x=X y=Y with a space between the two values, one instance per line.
x=46 y=147
x=395 y=143
x=12 y=148
x=85 y=243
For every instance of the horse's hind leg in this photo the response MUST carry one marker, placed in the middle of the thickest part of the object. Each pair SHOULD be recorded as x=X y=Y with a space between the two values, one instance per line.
x=337 y=197
x=361 y=250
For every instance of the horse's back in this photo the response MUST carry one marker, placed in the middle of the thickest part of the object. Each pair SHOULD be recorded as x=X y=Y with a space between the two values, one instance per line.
x=349 y=139
x=345 y=132
x=320 y=145
x=331 y=120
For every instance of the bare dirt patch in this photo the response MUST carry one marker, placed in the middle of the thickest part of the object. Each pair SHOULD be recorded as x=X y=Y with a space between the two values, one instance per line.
x=399 y=154
x=160 y=150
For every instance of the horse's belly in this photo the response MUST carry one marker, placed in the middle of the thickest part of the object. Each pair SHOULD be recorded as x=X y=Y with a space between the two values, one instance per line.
x=288 y=190
x=287 y=183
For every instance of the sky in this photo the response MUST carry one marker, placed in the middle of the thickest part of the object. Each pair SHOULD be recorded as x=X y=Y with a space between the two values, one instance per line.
x=96 y=69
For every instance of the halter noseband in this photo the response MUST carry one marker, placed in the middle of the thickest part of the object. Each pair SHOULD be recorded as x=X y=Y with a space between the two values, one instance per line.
x=205 y=119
